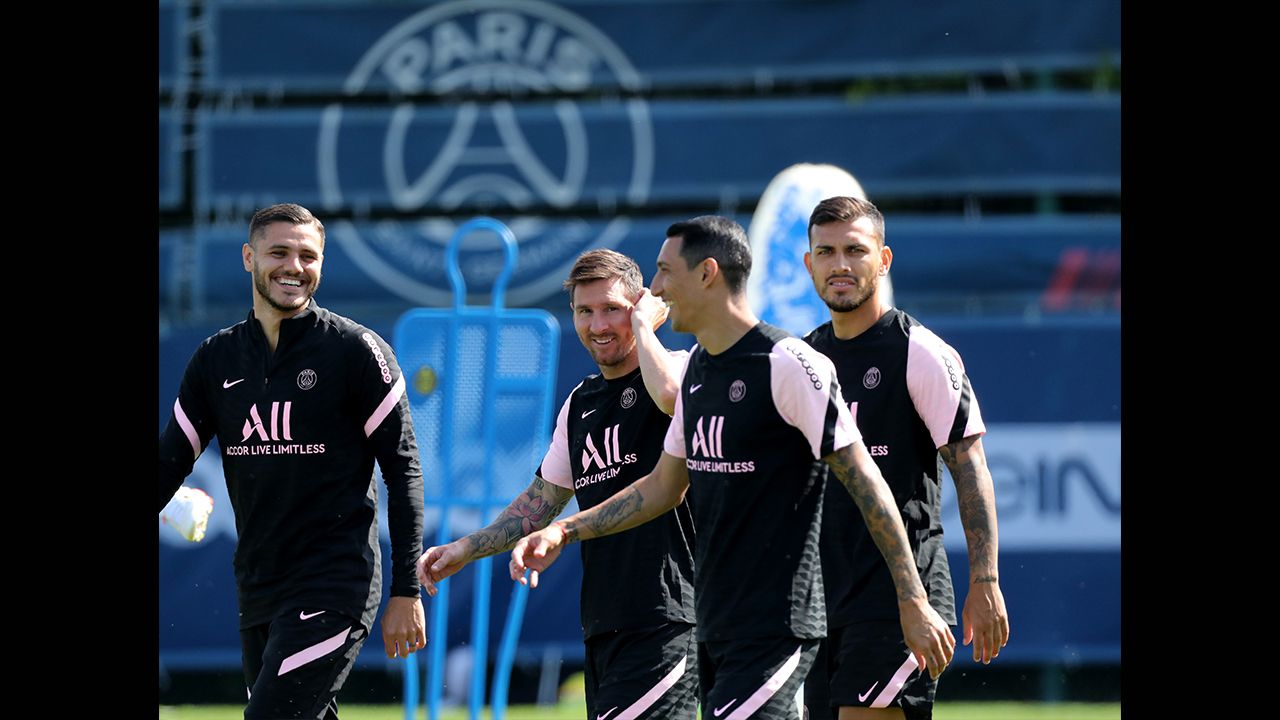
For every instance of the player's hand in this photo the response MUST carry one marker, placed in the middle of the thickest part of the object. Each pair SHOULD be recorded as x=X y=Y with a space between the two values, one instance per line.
x=404 y=626
x=986 y=622
x=536 y=552
x=649 y=311
x=438 y=563
x=927 y=635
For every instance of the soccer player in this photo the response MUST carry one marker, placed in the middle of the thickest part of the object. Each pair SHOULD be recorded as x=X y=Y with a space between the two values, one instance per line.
x=911 y=399
x=758 y=416
x=637 y=586
x=302 y=402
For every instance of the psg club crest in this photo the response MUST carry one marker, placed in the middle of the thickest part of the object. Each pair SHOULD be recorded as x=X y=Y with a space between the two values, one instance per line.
x=490 y=155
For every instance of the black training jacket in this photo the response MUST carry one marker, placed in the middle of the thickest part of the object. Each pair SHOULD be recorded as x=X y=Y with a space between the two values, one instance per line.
x=299 y=430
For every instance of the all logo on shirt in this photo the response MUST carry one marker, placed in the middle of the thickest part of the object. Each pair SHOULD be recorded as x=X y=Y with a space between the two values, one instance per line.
x=709 y=443
x=276 y=433
x=604 y=456
x=279 y=430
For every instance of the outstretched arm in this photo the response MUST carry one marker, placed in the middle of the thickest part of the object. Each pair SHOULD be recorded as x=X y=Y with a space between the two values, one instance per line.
x=923 y=629
x=531 y=510
x=636 y=504
x=986 y=621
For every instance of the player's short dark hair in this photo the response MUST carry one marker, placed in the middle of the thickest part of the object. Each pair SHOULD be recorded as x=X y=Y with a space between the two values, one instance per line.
x=846 y=209
x=713 y=236
x=605 y=264
x=284 y=212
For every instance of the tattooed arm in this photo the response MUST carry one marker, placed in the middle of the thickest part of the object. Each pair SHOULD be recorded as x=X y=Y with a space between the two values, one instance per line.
x=923 y=629
x=532 y=509
x=635 y=504
x=986 y=622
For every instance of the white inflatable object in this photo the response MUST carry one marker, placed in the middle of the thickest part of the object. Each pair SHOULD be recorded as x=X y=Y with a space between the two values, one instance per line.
x=188 y=513
x=779 y=289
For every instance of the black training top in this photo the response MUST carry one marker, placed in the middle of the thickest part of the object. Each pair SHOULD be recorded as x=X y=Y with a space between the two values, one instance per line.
x=299 y=430
x=609 y=434
x=752 y=424
x=909 y=394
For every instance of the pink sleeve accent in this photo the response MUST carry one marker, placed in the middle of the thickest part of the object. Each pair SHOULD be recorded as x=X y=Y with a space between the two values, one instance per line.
x=808 y=397
x=556 y=468
x=385 y=407
x=187 y=428
x=940 y=389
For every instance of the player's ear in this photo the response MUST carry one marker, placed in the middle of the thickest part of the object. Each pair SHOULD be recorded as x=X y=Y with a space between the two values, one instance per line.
x=886 y=259
x=808 y=262
x=710 y=268
x=246 y=253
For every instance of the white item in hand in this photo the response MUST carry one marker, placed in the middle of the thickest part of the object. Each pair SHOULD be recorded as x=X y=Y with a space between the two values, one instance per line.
x=188 y=513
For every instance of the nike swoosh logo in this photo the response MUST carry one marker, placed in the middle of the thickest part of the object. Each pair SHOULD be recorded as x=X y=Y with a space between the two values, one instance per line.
x=304 y=616
x=226 y=384
x=584 y=415
x=602 y=717
x=862 y=697
x=720 y=710
x=693 y=389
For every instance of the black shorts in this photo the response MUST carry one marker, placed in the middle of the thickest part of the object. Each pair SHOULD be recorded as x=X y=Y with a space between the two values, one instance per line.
x=867 y=664
x=757 y=678
x=295 y=665
x=648 y=673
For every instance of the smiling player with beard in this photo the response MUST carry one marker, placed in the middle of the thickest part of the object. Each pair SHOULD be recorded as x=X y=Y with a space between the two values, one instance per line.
x=303 y=402
x=912 y=402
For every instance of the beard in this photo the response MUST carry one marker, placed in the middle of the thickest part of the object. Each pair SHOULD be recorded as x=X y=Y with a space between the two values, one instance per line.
x=262 y=285
x=609 y=357
x=853 y=300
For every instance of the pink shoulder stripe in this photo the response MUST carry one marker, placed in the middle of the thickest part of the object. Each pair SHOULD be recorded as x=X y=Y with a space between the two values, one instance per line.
x=385 y=407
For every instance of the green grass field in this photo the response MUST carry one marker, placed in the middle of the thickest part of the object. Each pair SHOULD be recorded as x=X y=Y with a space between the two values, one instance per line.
x=572 y=711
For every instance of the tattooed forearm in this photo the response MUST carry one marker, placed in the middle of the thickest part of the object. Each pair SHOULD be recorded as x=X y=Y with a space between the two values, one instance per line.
x=975 y=497
x=607 y=517
x=635 y=504
x=532 y=510
x=884 y=523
